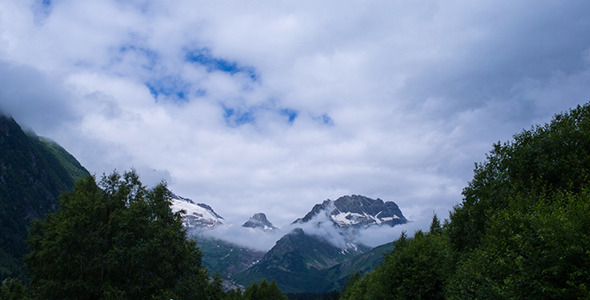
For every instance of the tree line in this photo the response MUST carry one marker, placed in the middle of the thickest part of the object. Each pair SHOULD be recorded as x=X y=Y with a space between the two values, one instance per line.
x=522 y=230
x=116 y=239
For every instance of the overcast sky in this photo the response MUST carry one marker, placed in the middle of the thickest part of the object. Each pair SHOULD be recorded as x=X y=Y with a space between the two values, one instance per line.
x=274 y=106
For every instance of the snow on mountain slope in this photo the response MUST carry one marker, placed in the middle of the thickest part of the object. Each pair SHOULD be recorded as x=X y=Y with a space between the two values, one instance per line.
x=356 y=211
x=197 y=215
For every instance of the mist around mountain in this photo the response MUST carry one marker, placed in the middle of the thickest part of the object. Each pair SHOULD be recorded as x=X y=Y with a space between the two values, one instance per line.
x=259 y=220
x=226 y=258
x=351 y=219
x=296 y=261
x=315 y=253
x=319 y=251
x=318 y=255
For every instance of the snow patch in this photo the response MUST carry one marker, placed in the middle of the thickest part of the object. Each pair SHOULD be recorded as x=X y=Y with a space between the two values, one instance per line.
x=195 y=214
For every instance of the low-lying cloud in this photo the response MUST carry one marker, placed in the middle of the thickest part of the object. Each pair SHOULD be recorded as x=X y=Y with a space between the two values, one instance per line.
x=320 y=226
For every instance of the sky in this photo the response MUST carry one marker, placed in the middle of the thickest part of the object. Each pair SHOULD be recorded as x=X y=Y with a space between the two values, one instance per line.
x=275 y=106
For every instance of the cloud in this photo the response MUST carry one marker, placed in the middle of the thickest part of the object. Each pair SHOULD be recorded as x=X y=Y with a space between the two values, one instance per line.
x=247 y=237
x=320 y=227
x=32 y=98
x=275 y=106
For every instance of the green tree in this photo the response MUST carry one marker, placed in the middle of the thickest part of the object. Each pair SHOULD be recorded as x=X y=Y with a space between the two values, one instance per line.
x=264 y=291
x=536 y=253
x=114 y=240
x=13 y=289
x=553 y=157
x=233 y=295
x=216 y=287
x=416 y=268
x=355 y=287
x=435 y=227
x=522 y=228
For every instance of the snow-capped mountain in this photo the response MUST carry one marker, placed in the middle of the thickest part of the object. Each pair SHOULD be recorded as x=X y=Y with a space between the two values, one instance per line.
x=356 y=211
x=324 y=248
x=197 y=215
x=259 y=220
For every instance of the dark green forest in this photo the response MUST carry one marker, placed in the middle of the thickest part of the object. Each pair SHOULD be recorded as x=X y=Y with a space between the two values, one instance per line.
x=521 y=231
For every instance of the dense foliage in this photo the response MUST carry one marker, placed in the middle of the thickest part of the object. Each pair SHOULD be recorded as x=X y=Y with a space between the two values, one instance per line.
x=14 y=289
x=415 y=269
x=114 y=240
x=541 y=252
x=522 y=230
x=264 y=291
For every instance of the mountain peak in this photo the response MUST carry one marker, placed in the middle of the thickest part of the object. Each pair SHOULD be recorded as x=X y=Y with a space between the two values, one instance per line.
x=357 y=211
x=196 y=215
x=259 y=220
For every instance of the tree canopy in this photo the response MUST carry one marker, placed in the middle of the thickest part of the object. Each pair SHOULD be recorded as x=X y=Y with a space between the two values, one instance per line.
x=114 y=240
x=521 y=231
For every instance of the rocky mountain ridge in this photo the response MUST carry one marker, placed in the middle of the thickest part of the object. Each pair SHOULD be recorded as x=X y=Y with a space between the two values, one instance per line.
x=317 y=255
x=356 y=211
x=259 y=220
x=320 y=257
x=196 y=215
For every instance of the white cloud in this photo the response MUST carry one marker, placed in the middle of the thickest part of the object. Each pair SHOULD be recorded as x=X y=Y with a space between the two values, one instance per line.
x=386 y=99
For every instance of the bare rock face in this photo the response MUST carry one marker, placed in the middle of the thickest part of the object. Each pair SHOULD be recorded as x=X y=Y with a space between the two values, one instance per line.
x=357 y=211
x=259 y=220
x=324 y=247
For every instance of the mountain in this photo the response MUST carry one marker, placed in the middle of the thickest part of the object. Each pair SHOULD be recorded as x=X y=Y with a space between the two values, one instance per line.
x=357 y=212
x=34 y=171
x=322 y=253
x=219 y=256
x=295 y=263
x=259 y=220
x=304 y=263
x=196 y=216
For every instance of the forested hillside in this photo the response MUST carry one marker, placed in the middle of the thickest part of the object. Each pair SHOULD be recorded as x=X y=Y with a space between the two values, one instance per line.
x=33 y=173
x=521 y=231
